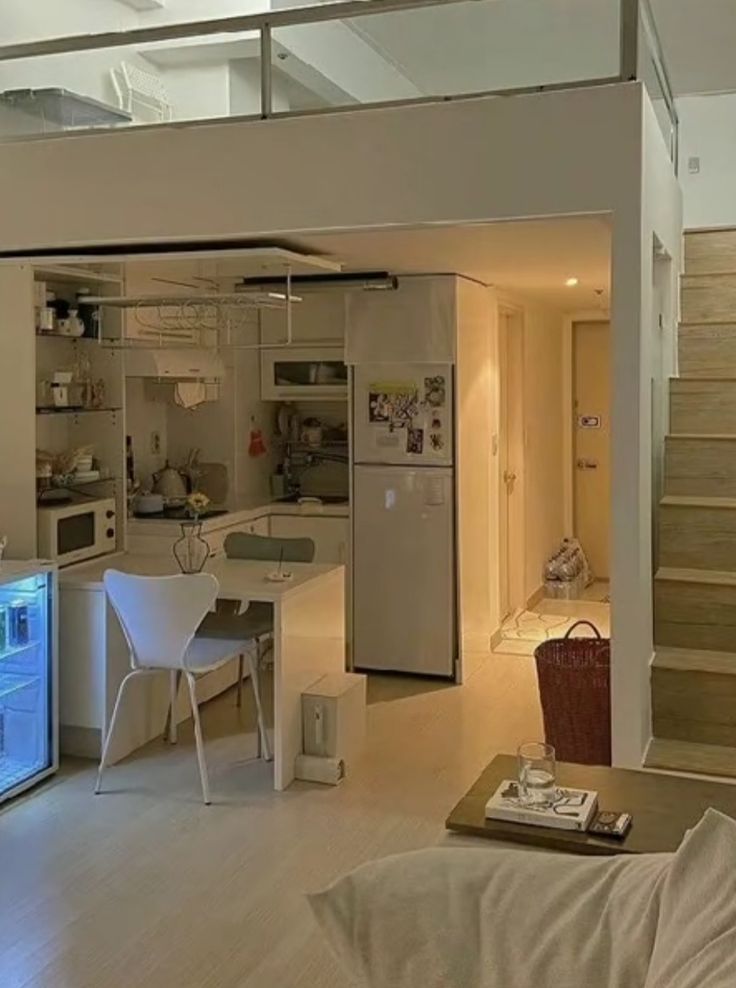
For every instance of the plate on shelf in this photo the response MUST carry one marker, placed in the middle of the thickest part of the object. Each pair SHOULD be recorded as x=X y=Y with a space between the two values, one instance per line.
x=85 y=476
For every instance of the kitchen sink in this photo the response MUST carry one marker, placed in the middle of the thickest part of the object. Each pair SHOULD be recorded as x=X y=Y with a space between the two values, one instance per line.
x=323 y=498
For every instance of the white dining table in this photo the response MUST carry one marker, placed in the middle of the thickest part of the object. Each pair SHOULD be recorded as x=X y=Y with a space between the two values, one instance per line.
x=309 y=627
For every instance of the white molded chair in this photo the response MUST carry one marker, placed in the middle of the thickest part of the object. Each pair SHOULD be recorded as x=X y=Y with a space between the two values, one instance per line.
x=159 y=616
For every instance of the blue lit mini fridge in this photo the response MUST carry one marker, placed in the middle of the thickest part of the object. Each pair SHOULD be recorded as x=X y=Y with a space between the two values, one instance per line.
x=29 y=749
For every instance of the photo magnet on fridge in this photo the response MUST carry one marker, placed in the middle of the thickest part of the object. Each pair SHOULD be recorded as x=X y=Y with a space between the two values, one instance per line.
x=415 y=440
x=435 y=391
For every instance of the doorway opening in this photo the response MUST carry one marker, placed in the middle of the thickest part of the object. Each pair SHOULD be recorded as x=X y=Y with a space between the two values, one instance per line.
x=591 y=358
x=554 y=473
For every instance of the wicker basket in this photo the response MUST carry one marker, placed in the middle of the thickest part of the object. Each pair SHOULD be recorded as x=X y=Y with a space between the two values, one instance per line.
x=574 y=677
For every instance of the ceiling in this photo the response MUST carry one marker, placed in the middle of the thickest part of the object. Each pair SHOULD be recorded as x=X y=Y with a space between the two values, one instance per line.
x=531 y=256
x=699 y=42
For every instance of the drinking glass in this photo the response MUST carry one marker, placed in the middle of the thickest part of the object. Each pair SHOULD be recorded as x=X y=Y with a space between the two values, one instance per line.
x=537 y=774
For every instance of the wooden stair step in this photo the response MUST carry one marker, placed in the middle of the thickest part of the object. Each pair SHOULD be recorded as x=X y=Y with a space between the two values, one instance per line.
x=684 y=756
x=707 y=350
x=694 y=696
x=701 y=465
x=708 y=298
x=695 y=660
x=695 y=608
x=688 y=574
x=697 y=533
x=702 y=406
x=710 y=252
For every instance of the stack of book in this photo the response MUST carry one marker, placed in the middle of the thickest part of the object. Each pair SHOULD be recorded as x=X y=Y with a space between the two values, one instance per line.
x=572 y=809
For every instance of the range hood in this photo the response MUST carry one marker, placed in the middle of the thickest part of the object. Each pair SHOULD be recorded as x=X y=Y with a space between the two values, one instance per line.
x=184 y=364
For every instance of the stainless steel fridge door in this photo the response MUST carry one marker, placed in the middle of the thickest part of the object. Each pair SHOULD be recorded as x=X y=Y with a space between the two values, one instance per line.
x=404 y=570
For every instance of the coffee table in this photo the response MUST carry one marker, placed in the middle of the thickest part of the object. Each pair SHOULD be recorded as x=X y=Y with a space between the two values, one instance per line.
x=664 y=808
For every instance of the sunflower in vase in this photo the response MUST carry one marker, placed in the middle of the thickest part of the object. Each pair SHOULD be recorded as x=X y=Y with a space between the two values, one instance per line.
x=197 y=502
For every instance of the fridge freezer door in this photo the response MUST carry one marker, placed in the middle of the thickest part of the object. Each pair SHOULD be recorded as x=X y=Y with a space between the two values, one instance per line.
x=404 y=570
x=403 y=414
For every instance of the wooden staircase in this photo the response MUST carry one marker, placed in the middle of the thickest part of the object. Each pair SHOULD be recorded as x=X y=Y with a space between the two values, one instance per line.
x=694 y=670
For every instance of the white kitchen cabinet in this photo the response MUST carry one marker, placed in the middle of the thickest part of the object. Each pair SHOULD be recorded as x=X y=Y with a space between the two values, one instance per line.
x=260 y=526
x=331 y=535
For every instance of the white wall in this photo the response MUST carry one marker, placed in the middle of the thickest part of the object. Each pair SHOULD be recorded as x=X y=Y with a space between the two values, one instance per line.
x=477 y=517
x=560 y=153
x=708 y=131
x=544 y=440
x=632 y=453
x=146 y=406
x=17 y=414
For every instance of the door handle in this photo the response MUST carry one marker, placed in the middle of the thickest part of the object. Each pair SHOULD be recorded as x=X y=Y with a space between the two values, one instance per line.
x=587 y=464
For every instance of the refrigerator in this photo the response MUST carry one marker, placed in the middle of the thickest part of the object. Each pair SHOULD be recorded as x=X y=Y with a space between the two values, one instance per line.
x=28 y=675
x=404 y=570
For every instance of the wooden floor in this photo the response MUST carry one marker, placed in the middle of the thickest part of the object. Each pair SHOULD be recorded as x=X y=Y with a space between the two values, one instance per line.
x=145 y=886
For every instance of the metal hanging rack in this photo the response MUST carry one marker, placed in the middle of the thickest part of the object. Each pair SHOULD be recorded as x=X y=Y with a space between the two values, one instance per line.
x=200 y=315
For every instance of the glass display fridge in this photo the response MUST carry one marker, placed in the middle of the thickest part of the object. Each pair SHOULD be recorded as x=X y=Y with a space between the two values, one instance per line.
x=29 y=749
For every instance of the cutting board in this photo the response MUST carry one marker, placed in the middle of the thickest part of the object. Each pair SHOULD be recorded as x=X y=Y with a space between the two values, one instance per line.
x=214 y=481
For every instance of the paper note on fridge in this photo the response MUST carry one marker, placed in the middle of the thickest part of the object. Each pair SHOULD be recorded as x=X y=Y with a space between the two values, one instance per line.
x=434 y=492
x=388 y=440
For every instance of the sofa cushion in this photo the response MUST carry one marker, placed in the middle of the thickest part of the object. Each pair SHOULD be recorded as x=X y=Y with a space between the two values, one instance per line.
x=491 y=918
x=695 y=945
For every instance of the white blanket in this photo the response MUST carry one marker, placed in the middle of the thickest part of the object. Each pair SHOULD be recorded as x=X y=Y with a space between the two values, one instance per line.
x=487 y=918
x=482 y=918
x=695 y=946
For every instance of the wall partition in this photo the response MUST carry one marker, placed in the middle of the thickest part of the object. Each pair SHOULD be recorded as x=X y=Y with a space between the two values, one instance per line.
x=101 y=64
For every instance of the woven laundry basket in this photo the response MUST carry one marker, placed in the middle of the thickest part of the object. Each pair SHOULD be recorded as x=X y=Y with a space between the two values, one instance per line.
x=574 y=676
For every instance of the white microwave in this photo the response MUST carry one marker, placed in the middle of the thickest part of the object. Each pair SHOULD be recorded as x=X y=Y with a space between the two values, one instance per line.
x=290 y=373
x=71 y=533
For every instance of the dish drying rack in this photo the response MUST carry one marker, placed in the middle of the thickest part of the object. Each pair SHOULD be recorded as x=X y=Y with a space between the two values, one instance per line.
x=211 y=320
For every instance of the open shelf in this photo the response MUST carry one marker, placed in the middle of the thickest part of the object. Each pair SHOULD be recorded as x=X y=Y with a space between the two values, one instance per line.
x=72 y=486
x=12 y=650
x=11 y=683
x=69 y=339
x=76 y=411
x=77 y=276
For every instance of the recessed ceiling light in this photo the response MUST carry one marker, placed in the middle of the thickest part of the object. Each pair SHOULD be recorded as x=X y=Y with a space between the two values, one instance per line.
x=572 y=282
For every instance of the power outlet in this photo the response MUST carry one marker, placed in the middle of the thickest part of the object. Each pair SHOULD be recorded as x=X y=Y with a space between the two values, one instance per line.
x=156 y=443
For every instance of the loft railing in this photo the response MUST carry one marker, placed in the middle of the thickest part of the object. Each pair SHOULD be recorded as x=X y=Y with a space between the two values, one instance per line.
x=347 y=54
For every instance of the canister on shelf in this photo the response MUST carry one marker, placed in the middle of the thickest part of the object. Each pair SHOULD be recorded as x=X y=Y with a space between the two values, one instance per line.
x=18 y=611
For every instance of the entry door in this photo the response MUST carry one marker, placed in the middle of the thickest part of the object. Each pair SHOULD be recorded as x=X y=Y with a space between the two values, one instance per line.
x=592 y=442
x=511 y=466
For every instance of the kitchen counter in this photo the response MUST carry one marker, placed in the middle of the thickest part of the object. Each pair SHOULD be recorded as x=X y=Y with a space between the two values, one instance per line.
x=238 y=577
x=239 y=510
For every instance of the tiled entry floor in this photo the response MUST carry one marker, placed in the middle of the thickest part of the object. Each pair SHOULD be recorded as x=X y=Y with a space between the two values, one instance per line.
x=525 y=629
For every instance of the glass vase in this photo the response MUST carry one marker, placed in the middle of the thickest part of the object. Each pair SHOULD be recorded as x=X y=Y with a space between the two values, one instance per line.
x=191 y=551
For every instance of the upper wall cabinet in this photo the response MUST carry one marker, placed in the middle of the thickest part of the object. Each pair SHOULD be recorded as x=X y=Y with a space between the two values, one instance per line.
x=317 y=318
x=310 y=365
x=417 y=323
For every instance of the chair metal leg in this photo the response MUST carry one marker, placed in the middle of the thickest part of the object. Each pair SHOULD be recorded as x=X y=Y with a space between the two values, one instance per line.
x=199 y=740
x=170 y=728
x=111 y=728
x=263 y=745
x=241 y=670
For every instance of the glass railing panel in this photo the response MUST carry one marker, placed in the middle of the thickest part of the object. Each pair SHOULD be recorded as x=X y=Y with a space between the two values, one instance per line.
x=24 y=21
x=458 y=48
x=652 y=71
x=200 y=78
